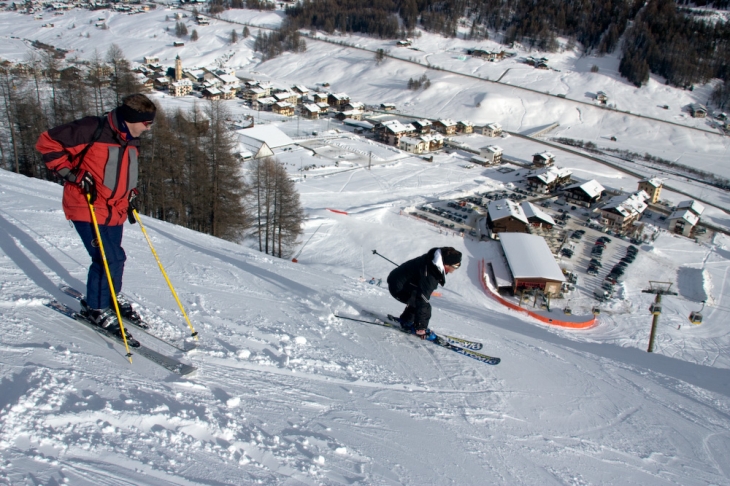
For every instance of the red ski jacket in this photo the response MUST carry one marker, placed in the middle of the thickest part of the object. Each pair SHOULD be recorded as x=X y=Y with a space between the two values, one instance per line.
x=112 y=160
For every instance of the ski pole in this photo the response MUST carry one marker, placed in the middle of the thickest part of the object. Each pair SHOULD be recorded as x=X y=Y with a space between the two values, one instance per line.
x=108 y=275
x=375 y=252
x=164 y=274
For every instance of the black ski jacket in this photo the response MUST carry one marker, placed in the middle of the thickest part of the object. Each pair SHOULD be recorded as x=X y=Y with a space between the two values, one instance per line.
x=413 y=283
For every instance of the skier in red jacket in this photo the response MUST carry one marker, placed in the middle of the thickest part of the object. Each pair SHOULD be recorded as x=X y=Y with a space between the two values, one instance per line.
x=98 y=157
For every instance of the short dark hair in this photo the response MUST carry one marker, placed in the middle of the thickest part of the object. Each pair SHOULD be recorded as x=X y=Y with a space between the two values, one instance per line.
x=139 y=102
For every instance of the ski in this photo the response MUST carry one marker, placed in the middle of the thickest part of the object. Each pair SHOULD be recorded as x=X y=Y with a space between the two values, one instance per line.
x=392 y=321
x=439 y=341
x=141 y=325
x=167 y=362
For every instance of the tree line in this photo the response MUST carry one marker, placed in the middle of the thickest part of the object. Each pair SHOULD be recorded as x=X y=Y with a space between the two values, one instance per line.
x=189 y=172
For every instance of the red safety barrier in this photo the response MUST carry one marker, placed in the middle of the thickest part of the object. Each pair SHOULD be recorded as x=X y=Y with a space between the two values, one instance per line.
x=539 y=317
x=337 y=211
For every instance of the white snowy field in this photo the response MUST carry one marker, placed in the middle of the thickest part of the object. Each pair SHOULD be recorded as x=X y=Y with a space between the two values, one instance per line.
x=287 y=394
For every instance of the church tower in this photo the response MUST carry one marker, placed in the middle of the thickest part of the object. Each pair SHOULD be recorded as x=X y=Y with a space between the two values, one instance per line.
x=178 y=68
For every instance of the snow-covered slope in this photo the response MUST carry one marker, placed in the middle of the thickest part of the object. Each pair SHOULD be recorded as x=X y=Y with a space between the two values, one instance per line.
x=287 y=394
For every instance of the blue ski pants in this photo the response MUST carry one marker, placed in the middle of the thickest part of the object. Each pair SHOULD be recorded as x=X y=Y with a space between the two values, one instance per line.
x=98 y=295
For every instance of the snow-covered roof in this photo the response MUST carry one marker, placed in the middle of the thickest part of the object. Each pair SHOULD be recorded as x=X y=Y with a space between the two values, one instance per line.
x=358 y=123
x=494 y=126
x=412 y=140
x=686 y=215
x=692 y=205
x=270 y=134
x=530 y=257
x=396 y=126
x=495 y=149
x=545 y=155
x=550 y=174
x=340 y=96
x=626 y=205
x=311 y=107
x=228 y=79
x=447 y=122
x=503 y=208
x=532 y=211
x=592 y=188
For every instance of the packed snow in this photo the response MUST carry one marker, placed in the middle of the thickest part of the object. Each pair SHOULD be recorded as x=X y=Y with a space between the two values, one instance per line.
x=285 y=392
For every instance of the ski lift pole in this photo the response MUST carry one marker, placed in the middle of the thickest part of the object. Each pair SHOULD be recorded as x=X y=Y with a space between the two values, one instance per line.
x=375 y=252
x=164 y=274
x=108 y=276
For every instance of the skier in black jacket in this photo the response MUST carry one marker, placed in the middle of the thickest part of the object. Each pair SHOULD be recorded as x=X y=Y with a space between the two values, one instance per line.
x=414 y=281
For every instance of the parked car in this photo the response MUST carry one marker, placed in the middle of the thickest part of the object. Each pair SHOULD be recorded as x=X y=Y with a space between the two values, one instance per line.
x=592 y=271
x=600 y=243
x=605 y=239
x=595 y=262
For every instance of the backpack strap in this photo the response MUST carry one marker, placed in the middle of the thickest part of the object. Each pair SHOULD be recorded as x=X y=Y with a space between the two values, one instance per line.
x=97 y=134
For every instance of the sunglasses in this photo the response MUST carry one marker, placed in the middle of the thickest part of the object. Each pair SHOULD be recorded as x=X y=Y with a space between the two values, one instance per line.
x=147 y=123
x=455 y=265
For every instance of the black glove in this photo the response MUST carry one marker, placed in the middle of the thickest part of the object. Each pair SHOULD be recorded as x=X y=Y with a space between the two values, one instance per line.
x=85 y=181
x=133 y=205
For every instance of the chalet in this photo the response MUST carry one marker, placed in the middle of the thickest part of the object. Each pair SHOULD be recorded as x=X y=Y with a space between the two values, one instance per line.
x=413 y=145
x=445 y=126
x=536 y=216
x=338 y=100
x=422 y=126
x=584 y=193
x=162 y=82
x=531 y=263
x=202 y=20
x=151 y=60
x=310 y=111
x=351 y=114
x=178 y=44
x=283 y=108
x=392 y=131
x=323 y=107
x=211 y=94
x=481 y=53
x=602 y=97
x=698 y=110
x=254 y=94
x=464 y=126
x=537 y=62
x=263 y=104
x=354 y=105
x=685 y=217
x=404 y=43
x=548 y=179
x=300 y=90
x=288 y=96
x=544 y=159
x=621 y=211
x=491 y=154
x=228 y=81
x=181 y=88
x=387 y=106
x=227 y=93
x=506 y=216
x=434 y=140
x=492 y=130
x=653 y=187
x=320 y=97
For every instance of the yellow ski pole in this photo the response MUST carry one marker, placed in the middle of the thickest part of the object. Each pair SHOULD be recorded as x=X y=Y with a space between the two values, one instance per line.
x=164 y=274
x=108 y=275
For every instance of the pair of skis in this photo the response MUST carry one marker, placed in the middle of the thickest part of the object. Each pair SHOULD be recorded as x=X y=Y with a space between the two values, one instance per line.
x=165 y=361
x=456 y=344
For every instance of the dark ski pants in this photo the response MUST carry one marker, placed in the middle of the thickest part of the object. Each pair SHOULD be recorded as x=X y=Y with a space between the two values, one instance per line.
x=98 y=295
x=419 y=316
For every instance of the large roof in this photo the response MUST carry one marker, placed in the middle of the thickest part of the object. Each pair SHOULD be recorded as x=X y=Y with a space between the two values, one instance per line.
x=692 y=205
x=529 y=257
x=592 y=188
x=504 y=208
x=686 y=215
x=269 y=134
x=532 y=211
x=626 y=205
